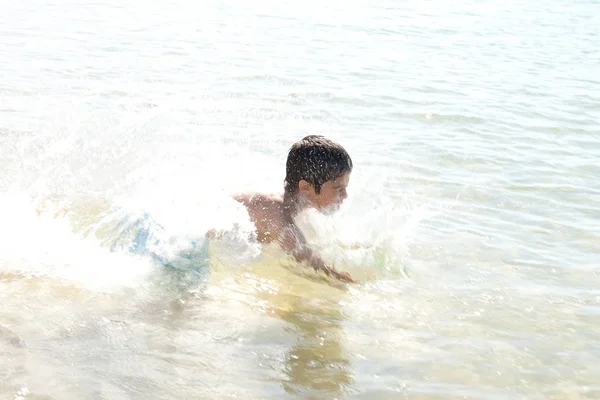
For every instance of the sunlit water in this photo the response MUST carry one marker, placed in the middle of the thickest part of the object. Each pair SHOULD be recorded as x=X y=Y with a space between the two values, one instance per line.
x=473 y=221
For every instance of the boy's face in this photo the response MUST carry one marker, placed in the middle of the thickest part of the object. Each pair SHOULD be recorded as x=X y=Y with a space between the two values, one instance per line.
x=332 y=194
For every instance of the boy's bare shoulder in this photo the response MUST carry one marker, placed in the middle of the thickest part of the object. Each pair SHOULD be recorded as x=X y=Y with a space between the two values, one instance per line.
x=262 y=206
x=266 y=211
x=259 y=199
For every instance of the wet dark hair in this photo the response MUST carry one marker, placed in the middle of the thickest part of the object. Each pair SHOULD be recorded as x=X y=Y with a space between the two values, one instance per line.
x=317 y=160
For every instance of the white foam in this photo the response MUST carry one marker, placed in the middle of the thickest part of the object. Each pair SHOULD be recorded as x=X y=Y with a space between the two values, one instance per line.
x=44 y=245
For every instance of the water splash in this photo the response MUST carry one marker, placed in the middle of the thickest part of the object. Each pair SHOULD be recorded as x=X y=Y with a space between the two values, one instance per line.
x=82 y=187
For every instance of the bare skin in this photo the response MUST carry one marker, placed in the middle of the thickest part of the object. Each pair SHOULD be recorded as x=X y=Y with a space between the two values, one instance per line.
x=274 y=219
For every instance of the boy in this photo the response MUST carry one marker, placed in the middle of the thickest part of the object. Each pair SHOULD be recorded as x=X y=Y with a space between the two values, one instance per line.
x=317 y=175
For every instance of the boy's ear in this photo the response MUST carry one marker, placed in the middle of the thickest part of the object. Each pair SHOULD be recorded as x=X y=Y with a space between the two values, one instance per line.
x=304 y=187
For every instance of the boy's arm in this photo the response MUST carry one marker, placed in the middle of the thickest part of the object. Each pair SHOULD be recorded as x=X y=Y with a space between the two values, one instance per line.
x=293 y=242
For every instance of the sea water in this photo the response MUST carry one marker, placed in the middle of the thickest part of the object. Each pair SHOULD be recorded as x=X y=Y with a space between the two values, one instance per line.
x=472 y=222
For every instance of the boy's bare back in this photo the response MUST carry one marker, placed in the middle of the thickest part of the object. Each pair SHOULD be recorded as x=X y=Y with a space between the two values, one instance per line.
x=267 y=213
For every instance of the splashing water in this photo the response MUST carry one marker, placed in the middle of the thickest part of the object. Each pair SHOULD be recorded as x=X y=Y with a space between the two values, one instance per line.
x=84 y=192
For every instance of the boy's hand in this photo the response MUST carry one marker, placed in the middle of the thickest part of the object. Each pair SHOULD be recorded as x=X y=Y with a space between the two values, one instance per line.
x=343 y=276
x=320 y=265
x=293 y=241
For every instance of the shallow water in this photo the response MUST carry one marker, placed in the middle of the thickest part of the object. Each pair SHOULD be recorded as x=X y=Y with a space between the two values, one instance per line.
x=472 y=219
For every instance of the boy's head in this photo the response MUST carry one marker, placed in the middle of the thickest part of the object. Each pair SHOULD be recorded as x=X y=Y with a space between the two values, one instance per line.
x=319 y=169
